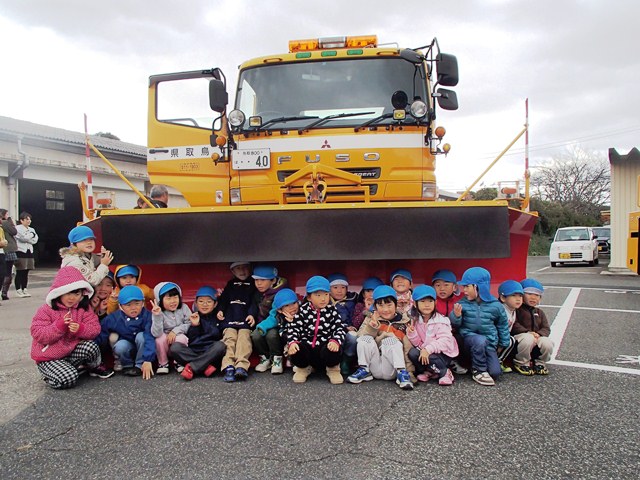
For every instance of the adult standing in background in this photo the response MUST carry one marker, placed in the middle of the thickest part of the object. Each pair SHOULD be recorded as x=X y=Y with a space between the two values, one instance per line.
x=26 y=238
x=159 y=196
x=9 y=229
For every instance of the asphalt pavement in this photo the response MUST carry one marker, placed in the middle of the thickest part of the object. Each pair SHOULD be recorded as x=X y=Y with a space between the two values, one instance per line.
x=582 y=421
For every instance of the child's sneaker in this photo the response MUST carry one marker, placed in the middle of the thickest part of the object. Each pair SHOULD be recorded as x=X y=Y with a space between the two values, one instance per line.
x=117 y=366
x=483 y=378
x=457 y=368
x=187 y=373
x=345 y=367
x=541 y=370
x=241 y=373
x=163 y=369
x=447 y=379
x=425 y=377
x=132 y=372
x=301 y=374
x=179 y=367
x=101 y=372
x=276 y=366
x=229 y=374
x=505 y=368
x=264 y=364
x=360 y=375
x=210 y=370
x=403 y=380
x=523 y=369
x=335 y=377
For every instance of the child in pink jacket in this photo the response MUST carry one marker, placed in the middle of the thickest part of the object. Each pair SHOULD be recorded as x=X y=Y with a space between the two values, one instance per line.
x=431 y=337
x=62 y=331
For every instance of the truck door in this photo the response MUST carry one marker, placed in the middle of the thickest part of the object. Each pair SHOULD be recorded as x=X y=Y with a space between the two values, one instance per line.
x=179 y=129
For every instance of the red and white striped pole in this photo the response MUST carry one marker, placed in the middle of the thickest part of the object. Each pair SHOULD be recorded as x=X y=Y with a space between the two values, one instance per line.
x=527 y=174
x=88 y=165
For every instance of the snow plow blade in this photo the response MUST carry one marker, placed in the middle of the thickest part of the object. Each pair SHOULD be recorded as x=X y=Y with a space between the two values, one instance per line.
x=410 y=230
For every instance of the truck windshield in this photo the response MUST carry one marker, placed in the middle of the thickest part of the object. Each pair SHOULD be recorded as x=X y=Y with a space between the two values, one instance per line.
x=361 y=87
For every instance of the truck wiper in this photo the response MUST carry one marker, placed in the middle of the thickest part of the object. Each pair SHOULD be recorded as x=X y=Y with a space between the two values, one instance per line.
x=374 y=120
x=285 y=119
x=331 y=117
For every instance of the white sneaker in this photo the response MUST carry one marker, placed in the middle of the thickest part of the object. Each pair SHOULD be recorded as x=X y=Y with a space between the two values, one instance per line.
x=20 y=294
x=483 y=378
x=277 y=367
x=25 y=293
x=457 y=368
x=163 y=369
x=264 y=364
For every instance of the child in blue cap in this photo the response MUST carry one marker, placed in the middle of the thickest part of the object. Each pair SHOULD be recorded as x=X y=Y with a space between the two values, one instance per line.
x=531 y=330
x=237 y=312
x=79 y=254
x=316 y=334
x=381 y=352
x=203 y=354
x=483 y=324
x=510 y=295
x=128 y=275
x=365 y=300
x=268 y=336
x=345 y=302
x=135 y=347
x=401 y=281
x=431 y=337
x=445 y=284
x=171 y=320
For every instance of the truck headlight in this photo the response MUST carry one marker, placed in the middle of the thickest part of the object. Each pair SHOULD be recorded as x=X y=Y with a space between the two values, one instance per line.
x=418 y=109
x=236 y=118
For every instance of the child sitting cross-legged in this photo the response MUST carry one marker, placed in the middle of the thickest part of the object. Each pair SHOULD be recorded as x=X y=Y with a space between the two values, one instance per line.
x=380 y=342
x=531 y=330
x=205 y=350
x=316 y=334
x=62 y=331
x=431 y=337
x=171 y=320
x=268 y=336
x=510 y=295
x=135 y=348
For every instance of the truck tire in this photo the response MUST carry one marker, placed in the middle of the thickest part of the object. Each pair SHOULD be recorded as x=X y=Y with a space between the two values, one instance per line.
x=554 y=264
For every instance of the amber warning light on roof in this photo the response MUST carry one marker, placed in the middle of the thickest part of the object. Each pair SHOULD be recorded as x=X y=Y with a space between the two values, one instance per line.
x=364 y=41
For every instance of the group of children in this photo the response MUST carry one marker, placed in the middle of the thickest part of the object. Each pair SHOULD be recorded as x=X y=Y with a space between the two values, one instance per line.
x=398 y=332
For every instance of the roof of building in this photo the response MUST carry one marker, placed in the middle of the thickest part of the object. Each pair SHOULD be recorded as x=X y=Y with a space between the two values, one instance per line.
x=45 y=132
x=632 y=156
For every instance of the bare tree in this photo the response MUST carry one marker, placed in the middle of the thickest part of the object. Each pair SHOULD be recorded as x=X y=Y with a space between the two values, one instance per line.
x=577 y=179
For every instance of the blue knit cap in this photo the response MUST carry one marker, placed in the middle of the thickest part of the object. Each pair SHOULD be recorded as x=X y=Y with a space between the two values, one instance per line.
x=371 y=283
x=510 y=287
x=207 y=291
x=318 y=284
x=338 y=279
x=128 y=270
x=529 y=285
x=445 y=276
x=384 y=291
x=286 y=296
x=401 y=273
x=129 y=294
x=80 y=233
x=482 y=279
x=265 y=272
x=423 y=291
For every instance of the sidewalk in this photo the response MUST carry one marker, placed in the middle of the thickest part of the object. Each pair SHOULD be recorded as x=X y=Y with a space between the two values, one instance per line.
x=20 y=384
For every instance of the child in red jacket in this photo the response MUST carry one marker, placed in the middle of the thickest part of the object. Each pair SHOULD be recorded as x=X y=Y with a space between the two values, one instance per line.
x=62 y=331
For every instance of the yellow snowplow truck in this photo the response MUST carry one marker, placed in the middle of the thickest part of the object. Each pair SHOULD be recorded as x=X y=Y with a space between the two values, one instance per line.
x=326 y=163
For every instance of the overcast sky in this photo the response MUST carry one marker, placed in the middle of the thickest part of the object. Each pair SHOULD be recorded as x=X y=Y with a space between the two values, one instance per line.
x=576 y=61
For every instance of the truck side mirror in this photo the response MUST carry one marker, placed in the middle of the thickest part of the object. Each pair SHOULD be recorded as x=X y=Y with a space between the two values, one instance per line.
x=447 y=67
x=218 y=96
x=447 y=99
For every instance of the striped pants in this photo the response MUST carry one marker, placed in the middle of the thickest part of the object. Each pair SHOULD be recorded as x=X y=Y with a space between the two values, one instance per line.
x=63 y=373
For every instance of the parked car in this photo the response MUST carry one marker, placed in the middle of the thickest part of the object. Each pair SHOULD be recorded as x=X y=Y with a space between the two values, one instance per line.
x=574 y=245
x=604 y=238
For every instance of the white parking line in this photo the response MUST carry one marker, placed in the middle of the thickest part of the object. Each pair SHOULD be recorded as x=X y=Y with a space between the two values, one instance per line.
x=543 y=269
x=561 y=321
x=604 y=368
x=618 y=310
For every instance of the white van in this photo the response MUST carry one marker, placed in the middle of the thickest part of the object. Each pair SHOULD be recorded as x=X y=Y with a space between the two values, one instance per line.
x=574 y=245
